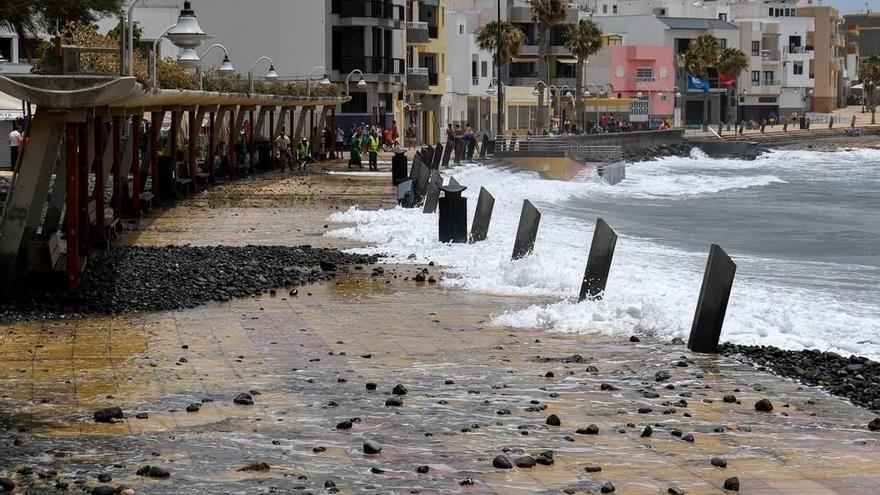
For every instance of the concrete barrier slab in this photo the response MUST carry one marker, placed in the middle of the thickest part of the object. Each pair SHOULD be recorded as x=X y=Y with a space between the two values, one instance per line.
x=527 y=231
x=599 y=261
x=432 y=197
x=482 y=216
x=712 y=304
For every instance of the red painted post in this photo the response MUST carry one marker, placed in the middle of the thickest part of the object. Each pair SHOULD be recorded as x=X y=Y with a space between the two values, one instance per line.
x=135 y=163
x=251 y=141
x=212 y=143
x=72 y=139
x=82 y=212
x=173 y=142
x=193 y=139
x=155 y=126
x=232 y=168
x=118 y=180
x=100 y=187
x=272 y=135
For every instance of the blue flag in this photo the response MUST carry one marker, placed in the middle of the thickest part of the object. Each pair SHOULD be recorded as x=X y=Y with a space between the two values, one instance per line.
x=695 y=82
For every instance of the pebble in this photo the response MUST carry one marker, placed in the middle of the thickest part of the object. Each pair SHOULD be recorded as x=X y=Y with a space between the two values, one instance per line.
x=593 y=469
x=345 y=425
x=103 y=490
x=525 y=461
x=6 y=485
x=553 y=420
x=764 y=405
x=719 y=462
x=393 y=402
x=674 y=490
x=647 y=432
x=634 y=338
x=874 y=425
x=193 y=408
x=608 y=487
x=105 y=478
x=732 y=484
x=662 y=375
x=502 y=462
x=258 y=467
x=371 y=448
x=371 y=386
x=589 y=430
x=108 y=415
x=399 y=390
x=545 y=458
x=153 y=472
x=423 y=469
x=730 y=399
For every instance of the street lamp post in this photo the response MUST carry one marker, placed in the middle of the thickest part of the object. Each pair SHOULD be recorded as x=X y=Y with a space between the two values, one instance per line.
x=501 y=85
x=537 y=92
x=129 y=62
x=154 y=81
x=225 y=66
x=639 y=95
x=362 y=83
x=323 y=82
x=272 y=75
x=600 y=92
x=185 y=34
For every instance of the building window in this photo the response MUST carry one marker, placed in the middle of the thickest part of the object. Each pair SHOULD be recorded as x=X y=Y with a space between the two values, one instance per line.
x=664 y=72
x=768 y=77
x=620 y=72
x=644 y=74
x=797 y=68
x=484 y=68
x=722 y=17
x=722 y=42
x=461 y=29
x=771 y=12
x=474 y=68
x=614 y=9
x=756 y=78
x=664 y=97
x=604 y=9
x=756 y=48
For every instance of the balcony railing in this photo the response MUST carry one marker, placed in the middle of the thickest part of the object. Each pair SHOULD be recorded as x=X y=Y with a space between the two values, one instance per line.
x=770 y=55
x=376 y=9
x=372 y=65
x=767 y=82
x=417 y=78
x=644 y=79
x=475 y=81
x=417 y=32
x=799 y=49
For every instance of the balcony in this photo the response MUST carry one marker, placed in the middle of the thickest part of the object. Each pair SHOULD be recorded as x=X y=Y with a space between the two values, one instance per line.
x=372 y=65
x=770 y=55
x=644 y=79
x=417 y=33
x=531 y=81
x=418 y=79
x=373 y=9
x=433 y=79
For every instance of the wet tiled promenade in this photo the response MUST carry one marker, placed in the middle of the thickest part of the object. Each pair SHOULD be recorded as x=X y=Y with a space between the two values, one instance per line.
x=474 y=392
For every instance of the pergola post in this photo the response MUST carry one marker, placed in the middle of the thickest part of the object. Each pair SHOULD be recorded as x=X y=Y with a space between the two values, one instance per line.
x=81 y=215
x=251 y=140
x=272 y=135
x=193 y=140
x=230 y=142
x=156 y=118
x=212 y=144
x=100 y=186
x=118 y=179
x=136 y=122
x=72 y=166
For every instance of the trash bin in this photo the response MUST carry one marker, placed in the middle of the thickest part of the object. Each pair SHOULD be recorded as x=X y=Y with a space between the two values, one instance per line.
x=803 y=123
x=453 y=214
x=399 y=167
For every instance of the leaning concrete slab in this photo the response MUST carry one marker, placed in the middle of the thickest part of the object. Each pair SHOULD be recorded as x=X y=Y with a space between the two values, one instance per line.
x=527 y=231
x=598 y=262
x=482 y=216
x=712 y=305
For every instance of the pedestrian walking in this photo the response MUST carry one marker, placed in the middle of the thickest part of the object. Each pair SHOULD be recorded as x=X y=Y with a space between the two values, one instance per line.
x=340 y=142
x=282 y=151
x=374 y=151
x=14 y=146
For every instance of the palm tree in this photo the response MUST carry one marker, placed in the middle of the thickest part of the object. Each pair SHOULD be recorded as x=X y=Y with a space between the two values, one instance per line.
x=731 y=62
x=869 y=73
x=583 y=39
x=703 y=55
x=511 y=41
x=545 y=15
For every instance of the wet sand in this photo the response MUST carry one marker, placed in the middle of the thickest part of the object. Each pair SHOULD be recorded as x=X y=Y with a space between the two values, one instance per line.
x=474 y=392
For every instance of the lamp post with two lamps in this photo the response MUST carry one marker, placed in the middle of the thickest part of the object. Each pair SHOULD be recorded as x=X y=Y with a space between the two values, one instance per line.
x=362 y=83
x=325 y=81
x=601 y=92
x=493 y=91
x=185 y=34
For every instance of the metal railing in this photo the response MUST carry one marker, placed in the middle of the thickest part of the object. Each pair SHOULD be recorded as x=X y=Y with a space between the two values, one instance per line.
x=557 y=144
x=376 y=9
x=644 y=79
x=770 y=55
x=372 y=65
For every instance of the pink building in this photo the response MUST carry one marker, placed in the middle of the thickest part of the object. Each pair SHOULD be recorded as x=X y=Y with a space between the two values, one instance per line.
x=647 y=74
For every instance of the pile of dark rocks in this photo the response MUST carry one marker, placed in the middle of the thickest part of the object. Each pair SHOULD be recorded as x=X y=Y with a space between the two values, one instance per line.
x=855 y=378
x=633 y=155
x=130 y=279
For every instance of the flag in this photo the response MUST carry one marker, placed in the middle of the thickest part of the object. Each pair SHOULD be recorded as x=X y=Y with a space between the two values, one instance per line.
x=695 y=82
x=726 y=79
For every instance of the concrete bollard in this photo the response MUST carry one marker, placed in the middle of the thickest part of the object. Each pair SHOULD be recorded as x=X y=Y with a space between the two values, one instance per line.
x=459 y=150
x=398 y=168
x=527 y=231
x=421 y=182
x=453 y=182
x=853 y=122
x=470 y=147
x=438 y=155
x=599 y=261
x=453 y=214
x=406 y=195
x=432 y=197
x=484 y=146
x=447 y=152
x=482 y=217
x=721 y=128
x=742 y=127
x=712 y=304
x=831 y=122
x=428 y=155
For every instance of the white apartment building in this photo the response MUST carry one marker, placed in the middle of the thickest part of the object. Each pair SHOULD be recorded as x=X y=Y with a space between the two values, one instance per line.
x=469 y=73
x=779 y=78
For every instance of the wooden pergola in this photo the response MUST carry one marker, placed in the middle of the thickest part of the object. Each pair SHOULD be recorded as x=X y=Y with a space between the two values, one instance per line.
x=86 y=137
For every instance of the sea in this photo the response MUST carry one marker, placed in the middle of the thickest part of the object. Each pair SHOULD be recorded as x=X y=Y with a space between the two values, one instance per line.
x=803 y=228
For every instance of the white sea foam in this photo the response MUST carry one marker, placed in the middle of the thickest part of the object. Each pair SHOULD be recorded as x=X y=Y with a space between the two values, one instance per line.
x=652 y=288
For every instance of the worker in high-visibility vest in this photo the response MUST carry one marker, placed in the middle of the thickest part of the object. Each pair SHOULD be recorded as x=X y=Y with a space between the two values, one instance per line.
x=374 y=151
x=304 y=153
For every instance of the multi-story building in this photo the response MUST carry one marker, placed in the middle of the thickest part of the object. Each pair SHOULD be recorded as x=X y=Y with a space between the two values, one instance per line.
x=867 y=26
x=426 y=60
x=467 y=84
x=778 y=80
x=829 y=56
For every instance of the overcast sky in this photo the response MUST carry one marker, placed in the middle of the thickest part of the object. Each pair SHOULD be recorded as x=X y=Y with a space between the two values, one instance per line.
x=850 y=6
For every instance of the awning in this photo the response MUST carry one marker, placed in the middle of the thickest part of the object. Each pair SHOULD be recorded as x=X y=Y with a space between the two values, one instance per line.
x=567 y=60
